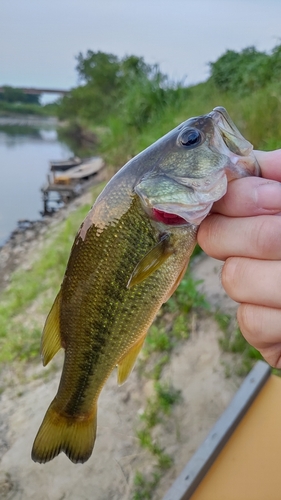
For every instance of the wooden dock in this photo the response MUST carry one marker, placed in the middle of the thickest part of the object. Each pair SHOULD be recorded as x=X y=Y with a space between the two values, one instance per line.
x=69 y=184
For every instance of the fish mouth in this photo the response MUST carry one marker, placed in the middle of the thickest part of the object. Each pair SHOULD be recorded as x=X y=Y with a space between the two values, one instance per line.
x=180 y=201
x=190 y=217
x=238 y=149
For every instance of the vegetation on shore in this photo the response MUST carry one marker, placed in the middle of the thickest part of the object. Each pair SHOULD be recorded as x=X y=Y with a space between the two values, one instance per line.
x=14 y=101
x=128 y=104
x=39 y=284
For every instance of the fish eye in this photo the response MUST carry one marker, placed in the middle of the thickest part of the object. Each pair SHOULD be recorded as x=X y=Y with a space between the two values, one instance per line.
x=190 y=138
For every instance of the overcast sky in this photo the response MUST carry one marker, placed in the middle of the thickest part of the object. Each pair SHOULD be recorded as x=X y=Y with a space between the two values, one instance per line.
x=39 y=39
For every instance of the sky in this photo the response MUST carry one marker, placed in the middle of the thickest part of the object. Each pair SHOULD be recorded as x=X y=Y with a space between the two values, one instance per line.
x=39 y=39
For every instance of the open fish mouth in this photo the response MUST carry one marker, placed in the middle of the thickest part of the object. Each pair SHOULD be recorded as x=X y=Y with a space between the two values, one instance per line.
x=180 y=201
x=190 y=217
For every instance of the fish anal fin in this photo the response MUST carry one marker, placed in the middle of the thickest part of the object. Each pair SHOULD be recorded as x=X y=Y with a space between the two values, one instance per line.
x=51 y=338
x=74 y=436
x=151 y=261
x=126 y=364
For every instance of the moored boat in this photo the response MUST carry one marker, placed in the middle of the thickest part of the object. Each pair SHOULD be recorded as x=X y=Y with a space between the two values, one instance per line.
x=84 y=171
x=62 y=165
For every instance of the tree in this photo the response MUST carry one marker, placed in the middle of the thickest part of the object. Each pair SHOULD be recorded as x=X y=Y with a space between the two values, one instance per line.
x=128 y=87
x=14 y=95
x=242 y=72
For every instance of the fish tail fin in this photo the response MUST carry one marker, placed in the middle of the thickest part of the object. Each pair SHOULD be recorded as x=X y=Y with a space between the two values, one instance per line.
x=74 y=436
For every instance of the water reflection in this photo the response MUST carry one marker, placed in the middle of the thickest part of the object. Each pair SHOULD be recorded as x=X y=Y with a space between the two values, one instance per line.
x=25 y=152
x=12 y=134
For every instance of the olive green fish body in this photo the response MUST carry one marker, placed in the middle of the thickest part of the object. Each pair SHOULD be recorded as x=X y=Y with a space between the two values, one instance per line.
x=127 y=259
x=101 y=318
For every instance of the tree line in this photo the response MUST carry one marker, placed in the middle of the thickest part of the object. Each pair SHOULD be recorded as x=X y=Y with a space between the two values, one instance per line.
x=13 y=95
x=110 y=86
x=246 y=71
x=137 y=92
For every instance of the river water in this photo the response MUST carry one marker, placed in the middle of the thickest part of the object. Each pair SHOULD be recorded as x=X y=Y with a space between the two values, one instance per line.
x=25 y=152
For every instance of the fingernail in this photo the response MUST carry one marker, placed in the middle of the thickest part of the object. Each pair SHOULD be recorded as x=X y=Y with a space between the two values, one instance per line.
x=268 y=196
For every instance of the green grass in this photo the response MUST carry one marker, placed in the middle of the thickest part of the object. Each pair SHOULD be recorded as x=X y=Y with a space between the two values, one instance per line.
x=144 y=486
x=170 y=328
x=45 y=275
x=40 y=283
x=257 y=115
x=187 y=296
x=7 y=108
x=232 y=341
x=157 y=408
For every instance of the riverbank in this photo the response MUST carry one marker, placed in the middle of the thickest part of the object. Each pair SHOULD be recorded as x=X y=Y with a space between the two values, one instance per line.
x=21 y=120
x=196 y=368
x=28 y=233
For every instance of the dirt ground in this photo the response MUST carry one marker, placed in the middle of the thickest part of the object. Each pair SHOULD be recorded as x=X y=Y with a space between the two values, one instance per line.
x=196 y=368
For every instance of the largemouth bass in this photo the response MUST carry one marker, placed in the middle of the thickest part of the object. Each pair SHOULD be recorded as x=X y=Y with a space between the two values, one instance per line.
x=127 y=259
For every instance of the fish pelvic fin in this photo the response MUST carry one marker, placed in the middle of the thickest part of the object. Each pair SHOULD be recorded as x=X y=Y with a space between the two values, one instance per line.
x=74 y=436
x=151 y=261
x=51 y=338
x=126 y=364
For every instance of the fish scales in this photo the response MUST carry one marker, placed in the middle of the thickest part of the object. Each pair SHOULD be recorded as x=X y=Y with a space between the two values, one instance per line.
x=113 y=320
x=128 y=257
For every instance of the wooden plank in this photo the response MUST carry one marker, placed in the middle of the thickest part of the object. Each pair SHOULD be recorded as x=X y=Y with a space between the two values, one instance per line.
x=204 y=457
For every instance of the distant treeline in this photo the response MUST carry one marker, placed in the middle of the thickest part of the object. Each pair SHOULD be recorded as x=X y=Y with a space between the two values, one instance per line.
x=13 y=95
x=128 y=103
x=128 y=88
x=246 y=71
x=13 y=101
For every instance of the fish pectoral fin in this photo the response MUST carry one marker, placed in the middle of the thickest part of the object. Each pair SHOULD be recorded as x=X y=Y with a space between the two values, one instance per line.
x=126 y=364
x=51 y=338
x=151 y=261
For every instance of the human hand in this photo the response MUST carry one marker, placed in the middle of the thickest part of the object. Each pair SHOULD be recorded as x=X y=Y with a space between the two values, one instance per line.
x=244 y=230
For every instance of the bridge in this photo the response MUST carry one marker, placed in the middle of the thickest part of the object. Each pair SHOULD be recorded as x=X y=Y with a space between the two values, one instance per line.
x=36 y=91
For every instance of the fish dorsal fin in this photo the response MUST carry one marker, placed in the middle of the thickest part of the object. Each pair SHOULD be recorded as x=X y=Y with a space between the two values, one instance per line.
x=51 y=339
x=127 y=363
x=151 y=261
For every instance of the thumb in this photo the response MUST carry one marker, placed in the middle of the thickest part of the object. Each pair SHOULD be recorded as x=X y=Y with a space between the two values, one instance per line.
x=250 y=196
